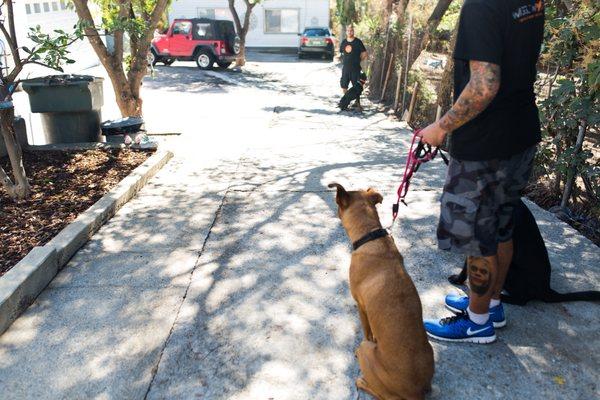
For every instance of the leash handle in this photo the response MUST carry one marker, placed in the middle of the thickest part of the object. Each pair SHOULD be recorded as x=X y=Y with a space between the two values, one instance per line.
x=414 y=160
x=403 y=188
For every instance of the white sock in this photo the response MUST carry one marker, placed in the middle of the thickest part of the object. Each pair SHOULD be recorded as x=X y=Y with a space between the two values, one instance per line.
x=494 y=302
x=479 y=319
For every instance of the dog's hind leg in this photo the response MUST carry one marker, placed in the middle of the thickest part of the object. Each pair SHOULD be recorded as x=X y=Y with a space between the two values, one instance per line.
x=370 y=382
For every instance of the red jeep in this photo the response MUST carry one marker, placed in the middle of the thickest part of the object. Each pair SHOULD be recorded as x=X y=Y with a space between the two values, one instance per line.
x=205 y=41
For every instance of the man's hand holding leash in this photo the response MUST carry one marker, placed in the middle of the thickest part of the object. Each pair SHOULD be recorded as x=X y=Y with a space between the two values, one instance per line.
x=433 y=135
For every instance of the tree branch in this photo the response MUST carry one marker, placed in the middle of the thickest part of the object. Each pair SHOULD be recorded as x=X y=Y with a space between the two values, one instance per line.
x=236 y=17
x=138 y=64
x=84 y=14
x=118 y=33
x=11 y=25
x=13 y=46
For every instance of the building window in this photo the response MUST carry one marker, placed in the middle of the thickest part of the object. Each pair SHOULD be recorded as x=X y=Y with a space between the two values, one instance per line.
x=46 y=7
x=36 y=8
x=28 y=8
x=63 y=5
x=214 y=13
x=54 y=6
x=282 y=21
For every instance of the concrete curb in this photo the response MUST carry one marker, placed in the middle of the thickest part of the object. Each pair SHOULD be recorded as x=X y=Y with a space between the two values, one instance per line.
x=87 y=146
x=20 y=286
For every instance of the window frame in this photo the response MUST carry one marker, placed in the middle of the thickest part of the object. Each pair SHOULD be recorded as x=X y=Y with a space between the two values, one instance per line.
x=266 y=10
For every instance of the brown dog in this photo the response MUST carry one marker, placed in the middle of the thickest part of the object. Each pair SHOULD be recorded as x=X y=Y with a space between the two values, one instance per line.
x=395 y=358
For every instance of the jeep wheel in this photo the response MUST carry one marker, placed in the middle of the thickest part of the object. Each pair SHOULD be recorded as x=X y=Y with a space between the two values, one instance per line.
x=223 y=64
x=168 y=61
x=205 y=59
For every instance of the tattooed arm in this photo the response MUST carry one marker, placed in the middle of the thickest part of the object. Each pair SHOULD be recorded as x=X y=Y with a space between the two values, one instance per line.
x=476 y=97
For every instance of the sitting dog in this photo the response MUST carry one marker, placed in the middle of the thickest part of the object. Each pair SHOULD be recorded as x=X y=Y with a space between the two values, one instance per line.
x=395 y=357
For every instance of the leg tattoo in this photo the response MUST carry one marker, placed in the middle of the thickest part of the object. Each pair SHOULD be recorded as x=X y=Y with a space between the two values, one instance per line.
x=480 y=275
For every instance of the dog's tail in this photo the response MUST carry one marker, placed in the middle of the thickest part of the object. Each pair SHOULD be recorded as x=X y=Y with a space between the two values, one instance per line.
x=554 y=297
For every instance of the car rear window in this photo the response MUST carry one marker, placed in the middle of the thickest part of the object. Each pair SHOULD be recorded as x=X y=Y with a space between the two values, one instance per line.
x=204 y=31
x=316 y=32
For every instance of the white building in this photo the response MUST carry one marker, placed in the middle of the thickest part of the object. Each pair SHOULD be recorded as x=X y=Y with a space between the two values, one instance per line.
x=51 y=15
x=273 y=23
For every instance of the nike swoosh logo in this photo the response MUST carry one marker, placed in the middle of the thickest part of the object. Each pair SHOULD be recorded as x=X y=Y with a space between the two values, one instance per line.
x=471 y=333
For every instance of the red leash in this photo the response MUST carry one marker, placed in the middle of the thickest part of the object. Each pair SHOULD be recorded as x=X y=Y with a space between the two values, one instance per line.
x=416 y=156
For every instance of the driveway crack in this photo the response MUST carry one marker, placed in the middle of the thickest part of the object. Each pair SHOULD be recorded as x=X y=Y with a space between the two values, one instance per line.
x=217 y=214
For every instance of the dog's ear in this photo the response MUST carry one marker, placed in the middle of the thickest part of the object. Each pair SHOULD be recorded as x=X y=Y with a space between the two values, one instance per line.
x=342 y=198
x=374 y=197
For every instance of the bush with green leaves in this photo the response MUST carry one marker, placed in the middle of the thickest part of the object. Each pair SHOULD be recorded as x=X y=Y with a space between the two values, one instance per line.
x=570 y=104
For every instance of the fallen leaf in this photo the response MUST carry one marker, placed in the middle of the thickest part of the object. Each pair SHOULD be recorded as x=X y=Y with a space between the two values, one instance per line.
x=559 y=380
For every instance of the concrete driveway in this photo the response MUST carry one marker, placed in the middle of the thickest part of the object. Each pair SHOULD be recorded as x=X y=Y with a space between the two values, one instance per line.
x=226 y=277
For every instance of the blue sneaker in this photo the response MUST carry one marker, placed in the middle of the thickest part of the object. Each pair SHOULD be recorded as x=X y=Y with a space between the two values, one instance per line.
x=459 y=328
x=459 y=304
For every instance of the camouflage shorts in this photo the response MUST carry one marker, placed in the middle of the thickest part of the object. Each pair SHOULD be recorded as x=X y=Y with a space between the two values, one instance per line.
x=478 y=203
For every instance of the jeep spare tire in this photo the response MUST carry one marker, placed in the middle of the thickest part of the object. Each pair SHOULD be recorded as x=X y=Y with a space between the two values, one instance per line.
x=205 y=59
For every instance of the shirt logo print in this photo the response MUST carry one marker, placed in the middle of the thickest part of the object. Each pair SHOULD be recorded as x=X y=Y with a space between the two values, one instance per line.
x=348 y=49
x=529 y=11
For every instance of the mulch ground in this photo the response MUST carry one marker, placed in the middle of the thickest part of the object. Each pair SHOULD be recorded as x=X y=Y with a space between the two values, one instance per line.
x=63 y=185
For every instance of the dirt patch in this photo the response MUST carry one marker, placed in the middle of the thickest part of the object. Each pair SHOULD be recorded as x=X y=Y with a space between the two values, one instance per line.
x=63 y=185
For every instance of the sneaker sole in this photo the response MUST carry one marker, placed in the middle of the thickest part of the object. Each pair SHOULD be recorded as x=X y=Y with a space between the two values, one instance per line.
x=477 y=340
x=500 y=324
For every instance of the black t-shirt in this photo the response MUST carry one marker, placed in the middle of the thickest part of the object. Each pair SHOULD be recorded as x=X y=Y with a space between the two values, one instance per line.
x=351 y=53
x=508 y=33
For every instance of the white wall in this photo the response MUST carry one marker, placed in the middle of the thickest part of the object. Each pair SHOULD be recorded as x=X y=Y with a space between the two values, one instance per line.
x=58 y=16
x=311 y=13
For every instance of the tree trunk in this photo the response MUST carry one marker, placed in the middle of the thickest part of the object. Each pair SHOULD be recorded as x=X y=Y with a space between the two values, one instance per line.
x=433 y=22
x=240 y=60
x=126 y=85
x=20 y=189
x=242 y=29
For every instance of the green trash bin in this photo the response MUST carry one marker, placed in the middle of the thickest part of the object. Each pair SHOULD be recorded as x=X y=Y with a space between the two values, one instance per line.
x=70 y=106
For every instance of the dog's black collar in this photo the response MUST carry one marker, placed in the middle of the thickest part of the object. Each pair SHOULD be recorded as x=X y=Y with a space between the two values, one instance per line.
x=379 y=233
